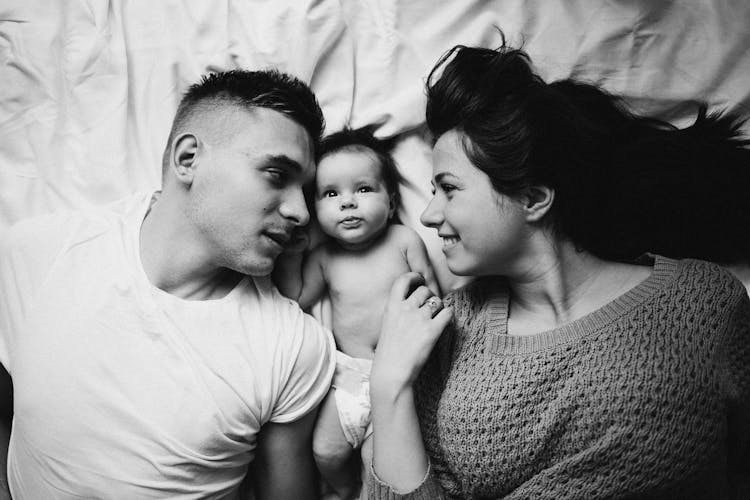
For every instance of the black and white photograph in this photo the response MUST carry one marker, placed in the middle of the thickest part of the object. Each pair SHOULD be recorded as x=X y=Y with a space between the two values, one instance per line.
x=375 y=249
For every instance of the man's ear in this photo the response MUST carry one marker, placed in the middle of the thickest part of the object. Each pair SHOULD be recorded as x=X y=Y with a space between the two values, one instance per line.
x=537 y=202
x=185 y=156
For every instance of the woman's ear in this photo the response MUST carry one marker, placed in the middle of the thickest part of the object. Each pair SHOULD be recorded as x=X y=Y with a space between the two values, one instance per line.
x=537 y=202
x=185 y=157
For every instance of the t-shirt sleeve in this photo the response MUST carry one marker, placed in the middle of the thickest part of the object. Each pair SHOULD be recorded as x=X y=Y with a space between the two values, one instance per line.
x=28 y=250
x=311 y=367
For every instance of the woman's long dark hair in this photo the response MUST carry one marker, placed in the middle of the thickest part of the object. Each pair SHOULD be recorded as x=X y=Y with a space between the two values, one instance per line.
x=624 y=184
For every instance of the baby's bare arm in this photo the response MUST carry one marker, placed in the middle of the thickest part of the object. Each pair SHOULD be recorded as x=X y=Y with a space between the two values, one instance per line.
x=313 y=279
x=299 y=278
x=418 y=260
x=287 y=275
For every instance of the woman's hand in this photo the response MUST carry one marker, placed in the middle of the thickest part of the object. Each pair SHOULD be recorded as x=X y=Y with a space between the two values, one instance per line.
x=413 y=320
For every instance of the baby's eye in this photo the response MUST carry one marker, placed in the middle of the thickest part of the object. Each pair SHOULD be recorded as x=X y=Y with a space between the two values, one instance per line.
x=364 y=189
x=329 y=194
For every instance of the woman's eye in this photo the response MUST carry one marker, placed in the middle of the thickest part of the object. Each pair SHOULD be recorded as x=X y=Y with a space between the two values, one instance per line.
x=447 y=188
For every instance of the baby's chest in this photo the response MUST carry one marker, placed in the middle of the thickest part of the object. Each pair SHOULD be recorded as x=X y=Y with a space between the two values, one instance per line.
x=362 y=278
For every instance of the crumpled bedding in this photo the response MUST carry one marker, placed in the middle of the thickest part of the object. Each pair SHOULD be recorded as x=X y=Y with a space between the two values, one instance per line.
x=89 y=87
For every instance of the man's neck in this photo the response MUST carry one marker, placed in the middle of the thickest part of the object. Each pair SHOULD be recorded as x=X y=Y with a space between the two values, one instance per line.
x=173 y=263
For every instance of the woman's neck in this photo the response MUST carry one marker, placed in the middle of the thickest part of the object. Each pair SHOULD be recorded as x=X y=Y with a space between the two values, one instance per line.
x=562 y=284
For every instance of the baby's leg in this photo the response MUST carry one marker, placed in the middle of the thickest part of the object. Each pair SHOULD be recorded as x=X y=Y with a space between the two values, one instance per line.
x=366 y=464
x=333 y=454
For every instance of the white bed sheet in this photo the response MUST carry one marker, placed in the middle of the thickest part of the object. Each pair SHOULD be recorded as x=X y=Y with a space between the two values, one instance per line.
x=89 y=87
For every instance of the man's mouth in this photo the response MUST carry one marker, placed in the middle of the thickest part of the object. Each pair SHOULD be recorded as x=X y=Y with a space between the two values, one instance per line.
x=281 y=238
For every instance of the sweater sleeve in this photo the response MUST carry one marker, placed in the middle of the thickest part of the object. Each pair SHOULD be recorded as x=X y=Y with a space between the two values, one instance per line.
x=427 y=391
x=736 y=380
x=428 y=489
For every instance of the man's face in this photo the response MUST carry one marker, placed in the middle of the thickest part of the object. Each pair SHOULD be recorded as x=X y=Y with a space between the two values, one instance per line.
x=246 y=195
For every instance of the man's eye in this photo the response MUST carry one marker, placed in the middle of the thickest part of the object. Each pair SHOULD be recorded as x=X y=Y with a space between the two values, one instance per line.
x=278 y=176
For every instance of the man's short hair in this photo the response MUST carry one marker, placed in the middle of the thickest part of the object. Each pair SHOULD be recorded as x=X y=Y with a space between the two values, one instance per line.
x=269 y=89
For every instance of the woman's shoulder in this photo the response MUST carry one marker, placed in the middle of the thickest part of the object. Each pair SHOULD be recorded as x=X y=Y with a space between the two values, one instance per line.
x=700 y=275
x=706 y=283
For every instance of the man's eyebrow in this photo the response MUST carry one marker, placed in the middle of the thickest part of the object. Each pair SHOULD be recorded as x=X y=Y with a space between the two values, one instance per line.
x=284 y=161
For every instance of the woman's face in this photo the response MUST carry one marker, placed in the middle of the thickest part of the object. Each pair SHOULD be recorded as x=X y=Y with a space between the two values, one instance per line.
x=483 y=231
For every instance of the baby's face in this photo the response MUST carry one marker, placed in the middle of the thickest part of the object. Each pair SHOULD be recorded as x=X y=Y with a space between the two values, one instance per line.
x=351 y=200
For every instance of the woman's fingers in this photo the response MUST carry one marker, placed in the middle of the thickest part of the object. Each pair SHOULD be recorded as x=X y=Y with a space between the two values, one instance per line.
x=420 y=296
x=433 y=305
x=412 y=322
x=441 y=319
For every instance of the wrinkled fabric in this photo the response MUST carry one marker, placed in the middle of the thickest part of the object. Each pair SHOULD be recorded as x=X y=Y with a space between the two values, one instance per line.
x=90 y=87
x=351 y=384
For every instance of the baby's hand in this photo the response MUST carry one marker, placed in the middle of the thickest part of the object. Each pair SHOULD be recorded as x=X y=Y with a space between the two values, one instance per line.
x=299 y=242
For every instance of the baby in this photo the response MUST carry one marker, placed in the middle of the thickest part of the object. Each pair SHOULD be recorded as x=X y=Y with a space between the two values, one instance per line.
x=356 y=199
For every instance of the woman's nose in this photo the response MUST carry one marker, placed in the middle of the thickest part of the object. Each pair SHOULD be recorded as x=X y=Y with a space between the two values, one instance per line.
x=432 y=216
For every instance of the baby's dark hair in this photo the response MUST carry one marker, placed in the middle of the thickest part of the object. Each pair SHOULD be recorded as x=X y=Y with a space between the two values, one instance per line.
x=624 y=184
x=363 y=140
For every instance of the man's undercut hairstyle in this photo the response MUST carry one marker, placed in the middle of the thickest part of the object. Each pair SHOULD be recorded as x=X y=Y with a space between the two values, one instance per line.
x=624 y=184
x=270 y=89
x=363 y=140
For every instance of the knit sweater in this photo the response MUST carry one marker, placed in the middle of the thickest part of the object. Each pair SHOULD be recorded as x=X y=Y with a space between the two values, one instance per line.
x=646 y=397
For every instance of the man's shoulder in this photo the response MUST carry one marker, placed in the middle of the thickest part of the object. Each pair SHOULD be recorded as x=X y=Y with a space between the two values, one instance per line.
x=274 y=305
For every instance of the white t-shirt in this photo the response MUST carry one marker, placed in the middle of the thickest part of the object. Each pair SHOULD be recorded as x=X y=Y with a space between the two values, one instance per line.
x=124 y=391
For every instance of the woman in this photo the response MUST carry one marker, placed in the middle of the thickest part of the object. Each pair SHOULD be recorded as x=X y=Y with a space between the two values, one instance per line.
x=564 y=370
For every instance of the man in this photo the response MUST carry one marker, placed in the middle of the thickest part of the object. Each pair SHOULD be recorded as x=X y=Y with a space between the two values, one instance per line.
x=150 y=355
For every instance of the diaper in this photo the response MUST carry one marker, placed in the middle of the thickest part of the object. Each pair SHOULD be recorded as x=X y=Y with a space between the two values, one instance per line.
x=351 y=382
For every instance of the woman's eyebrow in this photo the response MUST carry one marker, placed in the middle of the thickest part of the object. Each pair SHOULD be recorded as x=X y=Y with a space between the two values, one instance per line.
x=442 y=175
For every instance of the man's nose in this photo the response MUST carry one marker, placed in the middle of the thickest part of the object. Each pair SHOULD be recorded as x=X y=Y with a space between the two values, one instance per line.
x=294 y=207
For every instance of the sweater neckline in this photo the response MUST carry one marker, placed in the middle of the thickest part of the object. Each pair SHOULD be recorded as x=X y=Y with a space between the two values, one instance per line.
x=499 y=342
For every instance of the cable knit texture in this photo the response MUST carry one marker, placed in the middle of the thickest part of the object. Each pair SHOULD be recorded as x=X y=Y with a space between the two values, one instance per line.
x=647 y=397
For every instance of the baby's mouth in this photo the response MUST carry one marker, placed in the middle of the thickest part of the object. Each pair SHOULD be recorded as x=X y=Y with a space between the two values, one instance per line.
x=351 y=222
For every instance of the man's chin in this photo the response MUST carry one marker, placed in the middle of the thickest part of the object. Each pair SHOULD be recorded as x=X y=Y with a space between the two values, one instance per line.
x=255 y=268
